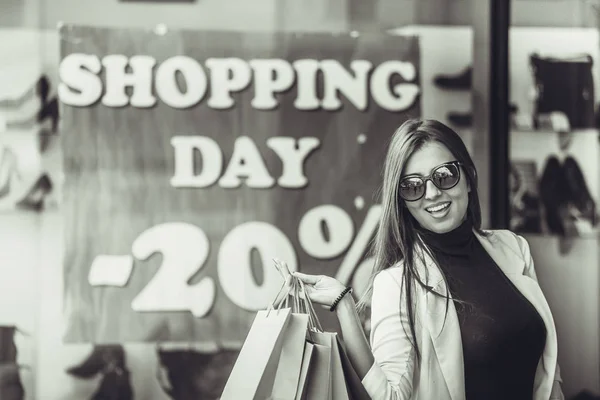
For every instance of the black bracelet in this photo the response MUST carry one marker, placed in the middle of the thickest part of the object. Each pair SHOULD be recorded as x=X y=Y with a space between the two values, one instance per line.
x=340 y=297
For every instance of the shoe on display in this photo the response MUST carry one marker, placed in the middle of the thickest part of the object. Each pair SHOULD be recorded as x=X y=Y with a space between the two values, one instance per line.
x=49 y=111
x=110 y=362
x=190 y=375
x=115 y=384
x=554 y=197
x=579 y=193
x=37 y=194
x=461 y=120
x=461 y=81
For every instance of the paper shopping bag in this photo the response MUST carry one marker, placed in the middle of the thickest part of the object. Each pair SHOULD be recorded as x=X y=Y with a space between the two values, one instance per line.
x=354 y=384
x=290 y=360
x=301 y=392
x=319 y=374
x=338 y=387
x=254 y=370
x=338 y=379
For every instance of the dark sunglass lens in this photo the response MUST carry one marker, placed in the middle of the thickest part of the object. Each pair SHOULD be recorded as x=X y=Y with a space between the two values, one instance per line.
x=412 y=188
x=446 y=176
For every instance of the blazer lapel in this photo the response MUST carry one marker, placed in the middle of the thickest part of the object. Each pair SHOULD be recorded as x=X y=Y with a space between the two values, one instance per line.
x=444 y=329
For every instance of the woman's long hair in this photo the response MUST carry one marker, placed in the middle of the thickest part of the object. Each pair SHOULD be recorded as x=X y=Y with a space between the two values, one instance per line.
x=396 y=238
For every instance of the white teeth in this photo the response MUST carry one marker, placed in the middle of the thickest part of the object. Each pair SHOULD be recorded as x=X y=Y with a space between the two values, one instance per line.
x=438 y=208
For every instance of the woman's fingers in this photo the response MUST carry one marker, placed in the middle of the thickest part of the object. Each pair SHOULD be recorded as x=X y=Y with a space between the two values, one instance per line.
x=287 y=275
x=309 y=279
x=283 y=269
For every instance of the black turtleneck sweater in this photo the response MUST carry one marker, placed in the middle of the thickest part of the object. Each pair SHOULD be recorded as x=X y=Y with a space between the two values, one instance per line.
x=503 y=335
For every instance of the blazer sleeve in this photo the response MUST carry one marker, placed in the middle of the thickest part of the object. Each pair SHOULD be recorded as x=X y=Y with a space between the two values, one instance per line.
x=391 y=375
x=556 y=393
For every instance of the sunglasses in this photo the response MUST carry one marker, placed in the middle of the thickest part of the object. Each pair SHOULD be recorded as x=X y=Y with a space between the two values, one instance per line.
x=444 y=177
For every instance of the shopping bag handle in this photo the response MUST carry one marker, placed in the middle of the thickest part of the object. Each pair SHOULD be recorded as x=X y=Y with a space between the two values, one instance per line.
x=279 y=300
x=300 y=300
x=298 y=306
x=310 y=310
x=300 y=303
x=275 y=304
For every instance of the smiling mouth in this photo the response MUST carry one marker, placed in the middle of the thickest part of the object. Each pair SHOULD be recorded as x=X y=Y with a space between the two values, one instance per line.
x=438 y=207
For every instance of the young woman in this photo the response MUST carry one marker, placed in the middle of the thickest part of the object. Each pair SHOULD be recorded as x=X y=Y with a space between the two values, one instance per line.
x=456 y=312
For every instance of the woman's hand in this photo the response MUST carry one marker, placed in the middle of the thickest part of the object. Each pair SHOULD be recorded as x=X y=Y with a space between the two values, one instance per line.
x=320 y=289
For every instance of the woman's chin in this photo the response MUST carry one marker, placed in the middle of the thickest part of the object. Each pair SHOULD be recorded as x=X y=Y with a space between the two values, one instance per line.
x=445 y=225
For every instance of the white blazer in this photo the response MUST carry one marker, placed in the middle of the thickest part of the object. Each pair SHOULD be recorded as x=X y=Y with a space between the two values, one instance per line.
x=440 y=374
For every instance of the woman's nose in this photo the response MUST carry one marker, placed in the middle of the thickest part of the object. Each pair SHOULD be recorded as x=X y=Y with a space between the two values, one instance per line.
x=431 y=191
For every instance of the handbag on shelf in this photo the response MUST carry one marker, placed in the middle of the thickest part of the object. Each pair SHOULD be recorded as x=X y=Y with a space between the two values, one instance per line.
x=566 y=85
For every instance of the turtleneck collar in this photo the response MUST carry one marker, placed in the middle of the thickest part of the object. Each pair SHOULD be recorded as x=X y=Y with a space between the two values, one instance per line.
x=457 y=242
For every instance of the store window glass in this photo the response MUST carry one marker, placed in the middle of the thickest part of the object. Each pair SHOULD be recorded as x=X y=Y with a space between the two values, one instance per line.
x=554 y=170
x=89 y=203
